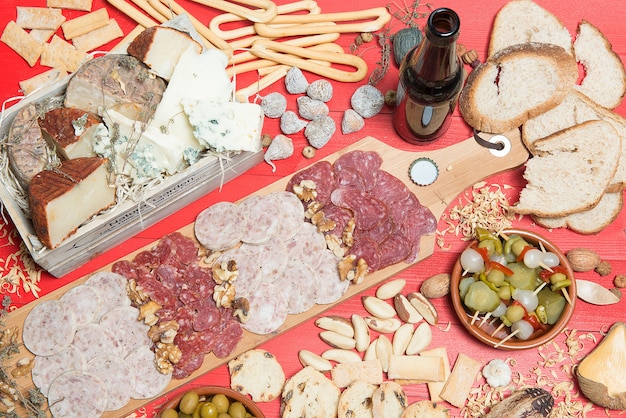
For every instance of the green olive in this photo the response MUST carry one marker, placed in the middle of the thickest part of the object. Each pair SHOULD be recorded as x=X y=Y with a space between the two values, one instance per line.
x=237 y=410
x=514 y=313
x=188 y=402
x=183 y=415
x=169 y=413
x=223 y=415
x=208 y=410
x=496 y=277
x=221 y=402
x=557 y=277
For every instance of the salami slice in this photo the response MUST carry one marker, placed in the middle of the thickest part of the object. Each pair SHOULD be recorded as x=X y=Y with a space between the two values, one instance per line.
x=368 y=211
x=95 y=339
x=394 y=249
x=291 y=214
x=129 y=332
x=341 y=217
x=49 y=328
x=268 y=309
x=307 y=245
x=149 y=382
x=299 y=282
x=331 y=287
x=388 y=188
x=366 y=163
x=117 y=378
x=261 y=219
x=85 y=301
x=77 y=394
x=367 y=249
x=320 y=173
x=220 y=226
x=48 y=368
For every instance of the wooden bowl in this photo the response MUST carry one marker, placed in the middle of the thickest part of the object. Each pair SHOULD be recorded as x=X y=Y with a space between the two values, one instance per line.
x=214 y=390
x=539 y=337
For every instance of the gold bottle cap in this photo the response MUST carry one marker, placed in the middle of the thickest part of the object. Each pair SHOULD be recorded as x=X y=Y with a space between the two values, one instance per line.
x=423 y=171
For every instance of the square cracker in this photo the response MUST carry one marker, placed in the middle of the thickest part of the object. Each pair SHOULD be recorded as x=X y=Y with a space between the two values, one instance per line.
x=39 y=17
x=98 y=37
x=61 y=54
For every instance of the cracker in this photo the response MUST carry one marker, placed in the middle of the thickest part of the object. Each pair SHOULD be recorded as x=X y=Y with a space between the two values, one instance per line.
x=461 y=380
x=84 y=5
x=21 y=42
x=85 y=23
x=61 y=54
x=98 y=37
x=41 y=35
x=39 y=18
x=257 y=373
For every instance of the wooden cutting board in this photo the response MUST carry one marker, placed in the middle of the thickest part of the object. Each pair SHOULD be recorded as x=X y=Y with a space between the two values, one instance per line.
x=460 y=166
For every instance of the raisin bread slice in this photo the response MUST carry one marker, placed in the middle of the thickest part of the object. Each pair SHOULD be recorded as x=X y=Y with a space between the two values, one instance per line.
x=570 y=171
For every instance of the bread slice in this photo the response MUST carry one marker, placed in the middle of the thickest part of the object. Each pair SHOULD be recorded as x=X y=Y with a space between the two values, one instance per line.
x=426 y=409
x=523 y=21
x=516 y=84
x=577 y=108
x=309 y=393
x=570 y=171
x=590 y=221
x=389 y=400
x=356 y=400
x=257 y=373
x=605 y=78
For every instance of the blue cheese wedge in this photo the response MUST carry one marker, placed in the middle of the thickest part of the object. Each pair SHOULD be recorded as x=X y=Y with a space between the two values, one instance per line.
x=226 y=126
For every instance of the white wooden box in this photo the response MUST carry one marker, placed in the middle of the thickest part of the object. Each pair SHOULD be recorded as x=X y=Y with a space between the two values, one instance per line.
x=114 y=227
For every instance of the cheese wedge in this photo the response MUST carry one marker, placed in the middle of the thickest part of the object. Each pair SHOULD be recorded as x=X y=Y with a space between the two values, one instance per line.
x=64 y=198
x=70 y=131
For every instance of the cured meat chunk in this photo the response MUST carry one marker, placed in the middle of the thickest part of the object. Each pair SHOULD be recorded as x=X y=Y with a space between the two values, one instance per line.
x=117 y=377
x=366 y=163
x=368 y=211
x=85 y=302
x=299 y=282
x=341 y=217
x=367 y=249
x=149 y=382
x=220 y=226
x=94 y=340
x=307 y=246
x=230 y=334
x=321 y=173
x=130 y=333
x=349 y=177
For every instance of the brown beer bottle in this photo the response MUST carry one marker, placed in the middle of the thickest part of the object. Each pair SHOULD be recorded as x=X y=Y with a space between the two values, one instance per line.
x=430 y=80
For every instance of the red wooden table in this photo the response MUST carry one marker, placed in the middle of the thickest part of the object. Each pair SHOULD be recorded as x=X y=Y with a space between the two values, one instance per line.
x=588 y=322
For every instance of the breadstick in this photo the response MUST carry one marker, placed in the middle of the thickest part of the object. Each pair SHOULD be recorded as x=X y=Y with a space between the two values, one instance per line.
x=284 y=53
x=223 y=18
x=133 y=13
x=266 y=12
x=146 y=7
x=270 y=30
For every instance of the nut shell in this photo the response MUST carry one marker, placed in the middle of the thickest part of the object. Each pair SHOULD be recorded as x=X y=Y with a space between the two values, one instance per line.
x=436 y=286
x=583 y=259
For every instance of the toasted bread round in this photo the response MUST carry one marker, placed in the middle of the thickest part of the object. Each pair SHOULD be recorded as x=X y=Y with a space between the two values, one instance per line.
x=389 y=400
x=257 y=373
x=516 y=84
x=426 y=409
x=309 y=393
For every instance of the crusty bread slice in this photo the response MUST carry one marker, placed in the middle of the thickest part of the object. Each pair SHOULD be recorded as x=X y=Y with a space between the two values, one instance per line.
x=590 y=221
x=577 y=108
x=516 y=84
x=570 y=171
x=605 y=78
x=389 y=400
x=356 y=400
x=522 y=21
x=426 y=409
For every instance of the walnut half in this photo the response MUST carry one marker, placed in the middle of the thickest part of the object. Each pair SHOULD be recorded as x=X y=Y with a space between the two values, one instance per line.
x=166 y=355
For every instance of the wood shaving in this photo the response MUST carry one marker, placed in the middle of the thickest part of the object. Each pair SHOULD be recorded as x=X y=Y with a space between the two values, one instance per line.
x=484 y=206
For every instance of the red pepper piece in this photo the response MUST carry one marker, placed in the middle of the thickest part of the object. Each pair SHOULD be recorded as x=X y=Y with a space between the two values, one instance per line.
x=497 y=266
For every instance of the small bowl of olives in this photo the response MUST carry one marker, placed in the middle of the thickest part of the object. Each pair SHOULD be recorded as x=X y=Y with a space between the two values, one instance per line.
x=513 y=290
x=211 y=402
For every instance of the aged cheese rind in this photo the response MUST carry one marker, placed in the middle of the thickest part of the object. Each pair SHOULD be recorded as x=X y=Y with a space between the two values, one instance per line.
x=160 y=48
x=64 y=198
x=26 y=147
x=111 y=80
x=70 y=130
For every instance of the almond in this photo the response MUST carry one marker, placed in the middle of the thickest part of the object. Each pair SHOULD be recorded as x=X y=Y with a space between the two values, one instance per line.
x=583 y=259
x=361 y=333
x=378 y=307
x=384 y=326
x=390 y=289
x=309 y=358
x=336 y=340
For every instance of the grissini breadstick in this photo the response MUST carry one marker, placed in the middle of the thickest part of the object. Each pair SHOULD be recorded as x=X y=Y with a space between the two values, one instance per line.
x=303 y=41
x=146 y=7
x=294 y=56
x=265 y=12
x=169 y=7
x=380 y=15
x=248 y=30
x=133 y=13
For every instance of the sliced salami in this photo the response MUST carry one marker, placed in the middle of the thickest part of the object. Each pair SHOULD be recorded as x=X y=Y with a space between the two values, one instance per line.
x=94 y=340
x=291 y=215
x=388 y=188
x=220 y=226
x=320 y=173
x=117 y=378
x=49 y=328
x=394 y=249
x=149 y=382
x=368 y=211
x=299 y=282
x=268 y=309
x=331 y=287
x=77 y=394
x=366 y=163
x=367 y=249
x=129 y=332
x=48 y=368
x=261 y=219
x=85 y=301
x=341 y=217
x=307 y=245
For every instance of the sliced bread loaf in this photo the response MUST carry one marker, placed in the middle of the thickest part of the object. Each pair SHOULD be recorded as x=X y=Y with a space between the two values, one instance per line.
x=577 y=108
x=605 y=78
x=522 y=21
x=516 y=84
x=570 y=171
x=589 y=221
